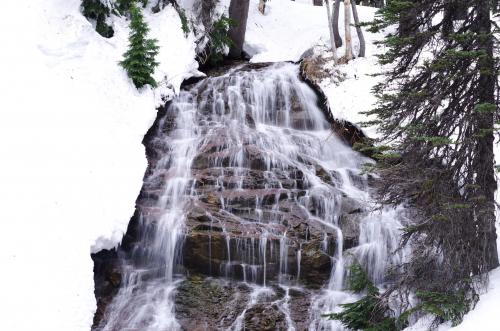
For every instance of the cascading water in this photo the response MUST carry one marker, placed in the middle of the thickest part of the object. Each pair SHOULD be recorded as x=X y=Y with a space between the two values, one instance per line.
x=251 y=209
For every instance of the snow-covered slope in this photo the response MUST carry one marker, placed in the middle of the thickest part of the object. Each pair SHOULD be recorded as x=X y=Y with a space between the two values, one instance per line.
x=72 y=162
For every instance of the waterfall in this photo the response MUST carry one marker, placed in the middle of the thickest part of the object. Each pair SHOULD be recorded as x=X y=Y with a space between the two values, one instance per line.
x=251 y=200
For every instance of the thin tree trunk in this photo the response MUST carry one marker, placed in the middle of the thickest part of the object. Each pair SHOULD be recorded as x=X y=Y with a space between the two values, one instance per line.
x=461 y=10
x=336 y=33
x=347 y=28
x=238 y=11
x=332 y=38
x=262 y=6
x=362 y=44
x=486 y=182
x=407 y=23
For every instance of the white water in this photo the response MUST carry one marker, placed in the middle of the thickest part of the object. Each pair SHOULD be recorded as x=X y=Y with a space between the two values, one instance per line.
x=291 y=134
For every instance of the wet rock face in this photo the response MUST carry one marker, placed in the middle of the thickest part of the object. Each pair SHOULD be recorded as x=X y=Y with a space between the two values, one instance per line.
x=265 y=317
x=263 y=205
x=316 y=72
x=217 y=304
x=251 y=205
x=108 y=278
x=201 y=303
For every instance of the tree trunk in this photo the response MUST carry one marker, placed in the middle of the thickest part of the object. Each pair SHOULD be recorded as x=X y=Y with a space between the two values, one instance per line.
x=336 y=33
x=407 y=23
x=362 y=44
x=262 y=6
x=485 y=179
x=462 y=9
x=330 y=26
x=347 y=28
x=318 y=2
x=238 y=11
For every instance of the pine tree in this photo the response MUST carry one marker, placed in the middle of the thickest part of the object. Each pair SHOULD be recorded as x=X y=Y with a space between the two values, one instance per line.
x=437 y=108
x=139 y=61
x=372 y=311
x=124 y=6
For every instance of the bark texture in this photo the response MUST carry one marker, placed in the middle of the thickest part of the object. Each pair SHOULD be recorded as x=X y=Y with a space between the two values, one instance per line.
x=335 y=24
x=238 y=11
x=362 y=43
x=486 y=182
x=347 y=27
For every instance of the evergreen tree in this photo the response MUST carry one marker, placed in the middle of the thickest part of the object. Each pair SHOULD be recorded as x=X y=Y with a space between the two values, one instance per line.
x=371 y=312
x=139 y=60
x=437 y=109
x=124 y=6
x=98 y=11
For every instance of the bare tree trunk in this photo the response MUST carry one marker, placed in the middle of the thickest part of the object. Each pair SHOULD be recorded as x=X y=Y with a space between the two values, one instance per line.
x=238 y=11
x=262 y=6
x=407 y=22
x=332 y=38
x=485 y=173
x=362 y=44
x=347 y=27
x=336 y=33
x=462 y=10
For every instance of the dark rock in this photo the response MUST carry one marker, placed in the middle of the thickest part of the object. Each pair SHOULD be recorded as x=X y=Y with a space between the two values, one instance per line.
x=262 y=317
x=201 y=303
x=315 y=266
x=350 y=226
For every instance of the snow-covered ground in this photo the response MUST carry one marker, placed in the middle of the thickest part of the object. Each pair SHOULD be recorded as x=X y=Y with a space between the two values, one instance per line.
x=71 y=126
x=72 y=162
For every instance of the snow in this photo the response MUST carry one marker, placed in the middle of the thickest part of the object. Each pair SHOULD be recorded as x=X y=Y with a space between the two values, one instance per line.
x=71 y=126
x=72 y=165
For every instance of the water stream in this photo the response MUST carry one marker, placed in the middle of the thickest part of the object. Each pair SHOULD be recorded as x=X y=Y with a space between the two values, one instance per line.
x=250 y=212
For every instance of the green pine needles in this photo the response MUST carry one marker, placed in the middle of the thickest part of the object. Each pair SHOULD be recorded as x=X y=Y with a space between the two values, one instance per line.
x=371 y=312
x=124 y=6
x=96 y=11
x=139 y=61
x=219 y=39
x=445 y=306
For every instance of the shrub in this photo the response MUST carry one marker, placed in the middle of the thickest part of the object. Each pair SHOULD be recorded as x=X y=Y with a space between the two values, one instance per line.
x=371 y=312
x=445 y=306
x=219 y=39
x=96 y=11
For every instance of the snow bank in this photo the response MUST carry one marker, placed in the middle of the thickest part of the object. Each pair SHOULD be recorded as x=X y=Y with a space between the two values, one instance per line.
x=71 y=126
